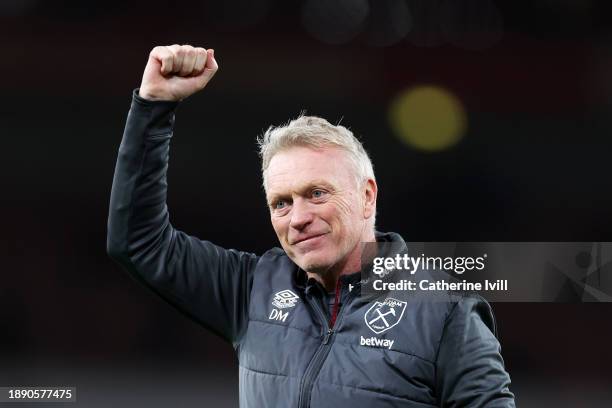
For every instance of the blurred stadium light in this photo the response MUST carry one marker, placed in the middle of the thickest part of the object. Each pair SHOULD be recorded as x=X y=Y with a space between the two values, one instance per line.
x=468 y=24
x=471 y=24
x=390 y=21
x=426 y=30
x=428 y=118
x=237 y=15
x=16 y=7
x=334 y=22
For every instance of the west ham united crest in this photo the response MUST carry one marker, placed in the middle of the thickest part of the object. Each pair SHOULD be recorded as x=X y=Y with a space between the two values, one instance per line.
x=382 y=316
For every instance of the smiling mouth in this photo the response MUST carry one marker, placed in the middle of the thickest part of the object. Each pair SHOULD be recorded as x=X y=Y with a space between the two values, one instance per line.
x=308 y=238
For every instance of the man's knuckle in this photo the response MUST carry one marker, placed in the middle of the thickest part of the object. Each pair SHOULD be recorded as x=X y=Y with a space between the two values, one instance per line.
x=174 y=49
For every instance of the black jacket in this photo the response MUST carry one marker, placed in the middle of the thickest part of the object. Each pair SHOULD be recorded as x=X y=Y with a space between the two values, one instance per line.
x=434 y=354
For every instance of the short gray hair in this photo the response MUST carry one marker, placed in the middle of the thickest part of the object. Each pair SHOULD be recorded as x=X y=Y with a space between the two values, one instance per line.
x=315 y=132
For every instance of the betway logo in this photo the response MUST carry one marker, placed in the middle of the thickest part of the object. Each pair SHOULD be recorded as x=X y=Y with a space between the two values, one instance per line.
x=376 y=342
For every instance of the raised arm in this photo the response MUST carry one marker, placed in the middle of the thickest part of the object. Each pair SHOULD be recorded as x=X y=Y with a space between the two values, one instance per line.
x=208 y=283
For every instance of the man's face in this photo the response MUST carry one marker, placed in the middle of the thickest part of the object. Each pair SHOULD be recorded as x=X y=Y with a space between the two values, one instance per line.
x=316 y=206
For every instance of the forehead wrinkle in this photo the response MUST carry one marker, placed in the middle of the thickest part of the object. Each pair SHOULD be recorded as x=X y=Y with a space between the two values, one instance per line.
x=287 y=172
x=282 y=176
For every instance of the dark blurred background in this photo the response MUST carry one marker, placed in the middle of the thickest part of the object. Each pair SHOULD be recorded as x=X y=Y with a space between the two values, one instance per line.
x=486 y=121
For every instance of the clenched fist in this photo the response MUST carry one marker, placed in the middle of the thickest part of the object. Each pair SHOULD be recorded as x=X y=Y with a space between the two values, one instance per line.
x=177 y=71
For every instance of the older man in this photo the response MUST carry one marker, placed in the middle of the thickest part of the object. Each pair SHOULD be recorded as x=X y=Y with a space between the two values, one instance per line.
x=304 y=334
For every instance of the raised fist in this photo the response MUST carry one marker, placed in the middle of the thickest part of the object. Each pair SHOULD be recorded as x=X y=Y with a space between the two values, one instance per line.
x=177 y=71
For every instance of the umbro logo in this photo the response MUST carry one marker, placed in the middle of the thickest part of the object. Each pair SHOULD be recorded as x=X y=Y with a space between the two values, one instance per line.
x=284 y=299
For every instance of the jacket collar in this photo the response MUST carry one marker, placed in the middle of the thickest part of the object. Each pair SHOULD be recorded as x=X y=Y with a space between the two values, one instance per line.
x=356 y=279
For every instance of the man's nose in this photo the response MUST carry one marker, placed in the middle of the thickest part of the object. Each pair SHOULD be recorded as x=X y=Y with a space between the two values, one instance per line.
x=301 y=215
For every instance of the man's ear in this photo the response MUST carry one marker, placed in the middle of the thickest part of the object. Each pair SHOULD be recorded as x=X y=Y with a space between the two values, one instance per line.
x=369 y=194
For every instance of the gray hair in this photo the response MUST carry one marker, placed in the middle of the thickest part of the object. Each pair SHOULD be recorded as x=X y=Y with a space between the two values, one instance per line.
x=315 y=132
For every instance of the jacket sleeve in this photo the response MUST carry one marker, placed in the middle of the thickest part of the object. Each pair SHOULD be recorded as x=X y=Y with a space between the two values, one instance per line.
x=470 y=369
x=207 y=283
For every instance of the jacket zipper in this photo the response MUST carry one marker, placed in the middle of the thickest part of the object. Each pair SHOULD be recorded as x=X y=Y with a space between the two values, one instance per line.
x=321 y=354
x=334 y=313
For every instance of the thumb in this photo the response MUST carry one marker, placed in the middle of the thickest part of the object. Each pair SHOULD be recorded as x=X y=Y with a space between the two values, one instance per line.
x=211 y=61
x=210 y=69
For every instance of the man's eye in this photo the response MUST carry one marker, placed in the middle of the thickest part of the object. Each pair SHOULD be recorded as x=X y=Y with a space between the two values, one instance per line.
x=280 y=204
x=318 y=193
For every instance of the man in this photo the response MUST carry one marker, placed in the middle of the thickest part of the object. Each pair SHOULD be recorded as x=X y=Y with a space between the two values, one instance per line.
x=295 y=316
